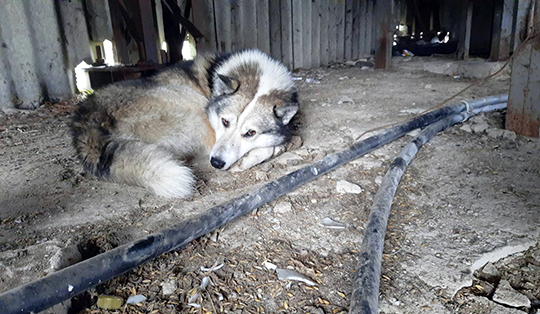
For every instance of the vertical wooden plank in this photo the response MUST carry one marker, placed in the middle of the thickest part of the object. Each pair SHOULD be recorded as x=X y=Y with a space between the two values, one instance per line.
x=383 y=51
x=237 y=20
x=286 y=34
x=149 y=32
x=374 y=26
x=120 y=45
x=275 y=29
x=250 y=23
x=523 y=9
x=369 y=28
x=315 y=34
x=223 y=23
x=468 y=26
x=323 y=7
x=502 y=30
x=362 y=36
x=340 y=29
x=306 y=34
x=348 y=29
x=263 y=26
x=355 y=41
x=298 y=52
x=332 y=31
x=203 y=18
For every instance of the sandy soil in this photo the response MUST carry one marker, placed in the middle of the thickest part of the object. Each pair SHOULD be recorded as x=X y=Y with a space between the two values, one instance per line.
x=466 y=195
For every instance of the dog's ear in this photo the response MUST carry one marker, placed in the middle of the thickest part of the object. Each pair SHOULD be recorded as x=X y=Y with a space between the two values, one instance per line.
x=286 y=112
x=225 y=85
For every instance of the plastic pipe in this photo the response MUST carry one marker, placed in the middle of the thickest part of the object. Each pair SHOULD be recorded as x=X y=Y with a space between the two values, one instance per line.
x=365 y=295
x=68 y=282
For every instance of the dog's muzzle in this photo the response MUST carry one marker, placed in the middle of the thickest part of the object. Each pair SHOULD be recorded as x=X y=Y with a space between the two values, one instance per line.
x=217 y=163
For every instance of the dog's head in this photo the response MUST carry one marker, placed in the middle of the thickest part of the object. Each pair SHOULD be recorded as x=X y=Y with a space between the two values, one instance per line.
x=247 y=112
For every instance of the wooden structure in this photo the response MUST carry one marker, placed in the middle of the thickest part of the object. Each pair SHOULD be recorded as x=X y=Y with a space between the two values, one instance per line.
x=300 y=33
x=524 y=100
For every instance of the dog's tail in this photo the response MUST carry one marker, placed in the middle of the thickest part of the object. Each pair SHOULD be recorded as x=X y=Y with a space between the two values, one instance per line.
x=130 y=161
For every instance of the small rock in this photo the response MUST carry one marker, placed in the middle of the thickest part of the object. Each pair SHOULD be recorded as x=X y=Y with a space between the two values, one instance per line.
x=483 y=288
x=489 y=273
x=365 y=68
x=414 y=133
x=134 y=299
x=506 y=295
x=283 y=207
x=466 y=128
x=261 y=175
x=265 y=166
x=64 y=257
x=509 y=135
x=344 y=187
x=295 y=142
x=428 y=86
x=345 y=100
x=313 y=310
x=10 y=110
x=169 y=287
x=378 y=180
x=351 y=62
x=289 y=159
x=343 y=78
x=495 y=133
x=479 y=128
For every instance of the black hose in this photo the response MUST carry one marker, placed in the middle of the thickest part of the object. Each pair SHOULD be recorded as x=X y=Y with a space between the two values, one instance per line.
x=68 y=282
x=365 y=295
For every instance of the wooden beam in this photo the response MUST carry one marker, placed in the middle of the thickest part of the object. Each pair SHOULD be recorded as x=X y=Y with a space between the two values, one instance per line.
x=523 y=11
x=502 y=30
x=237 y=20
x=362 y=36
x=356 y=30
x=369 y=28
x=250 y=23
x=348 y=30
x=275 y=29
x=523 y=114
x=263 y=26
x=332 y=31
x=298 y=51
x=306 y=34
x=323 y=50
x=223 y=25
x=315 y=35
x=120 y=45
x=464 y=38
x=286 y=34
x=203 y=18
x=383 y=51
x=340 y=30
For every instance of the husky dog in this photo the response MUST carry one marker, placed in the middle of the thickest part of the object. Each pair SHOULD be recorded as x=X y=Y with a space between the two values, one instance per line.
x=235 y=106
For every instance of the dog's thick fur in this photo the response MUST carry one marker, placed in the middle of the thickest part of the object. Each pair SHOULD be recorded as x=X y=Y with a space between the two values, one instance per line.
x=237 y=106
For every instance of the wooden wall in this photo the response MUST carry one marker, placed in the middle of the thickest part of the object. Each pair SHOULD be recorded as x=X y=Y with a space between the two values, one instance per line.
x=300 y=33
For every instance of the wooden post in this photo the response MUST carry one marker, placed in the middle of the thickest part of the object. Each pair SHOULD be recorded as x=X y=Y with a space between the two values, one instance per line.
x=237 y=20
x=340 y=28
x=286 y=34
x=315 y=35
x=120 y=45
x=275 y=29
x=250 y=23
x=306 y=34
x=523 y=114
x=465 y=32
x=263 y=26
x=523 y=9
x=203 y=18
x=223 y=23
x=502 y=30
x=362 y=39
x=383 y=51
x=298 y=52
x=323 y=7
x=348 y=30
x=369 y=28
x=149 y=32
x=356 y=30
x=332 y=31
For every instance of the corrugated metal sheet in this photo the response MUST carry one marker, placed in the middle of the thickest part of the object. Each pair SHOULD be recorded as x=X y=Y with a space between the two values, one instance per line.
x=40 y=44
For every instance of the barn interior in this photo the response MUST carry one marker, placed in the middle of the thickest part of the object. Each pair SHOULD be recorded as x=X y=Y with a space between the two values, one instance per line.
x=463 y=234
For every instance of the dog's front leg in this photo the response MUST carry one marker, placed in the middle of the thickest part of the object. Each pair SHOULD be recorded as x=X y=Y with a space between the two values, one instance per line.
x=257 y=156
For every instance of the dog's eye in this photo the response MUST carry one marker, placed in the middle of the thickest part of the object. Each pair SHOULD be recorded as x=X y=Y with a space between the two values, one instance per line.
x=250 y=133
x=225 y=122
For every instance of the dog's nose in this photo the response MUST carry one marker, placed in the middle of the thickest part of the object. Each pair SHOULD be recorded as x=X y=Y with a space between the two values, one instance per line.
x=217 y=163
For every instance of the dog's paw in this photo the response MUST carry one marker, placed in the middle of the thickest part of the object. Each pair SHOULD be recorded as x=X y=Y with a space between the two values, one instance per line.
x=253 y=158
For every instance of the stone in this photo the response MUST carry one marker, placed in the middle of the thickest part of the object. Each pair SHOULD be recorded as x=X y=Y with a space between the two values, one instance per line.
x=479 y=128
x=495 y=133
x=289 y=159
x=10 y=111
x=466 y=128
x=283 y=207
x=313 y=310
x=265 y=166
x=509 y=135
x=489 y=273
x=378 y=180
x=261 y=175
x=345 y=187
x=506 y=295
x=345 y=100
x=64 y=257
x=295 y=142
x=428 y=86
x=169 y=287
x=483 y=288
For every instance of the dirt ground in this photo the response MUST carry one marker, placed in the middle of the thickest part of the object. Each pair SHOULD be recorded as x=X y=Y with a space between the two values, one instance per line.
x=471 y=196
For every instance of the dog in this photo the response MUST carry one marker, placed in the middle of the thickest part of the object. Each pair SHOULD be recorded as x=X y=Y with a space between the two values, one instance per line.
x=235 y=107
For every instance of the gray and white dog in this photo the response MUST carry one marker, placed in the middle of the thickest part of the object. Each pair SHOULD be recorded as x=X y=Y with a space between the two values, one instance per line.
x=235 y=106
